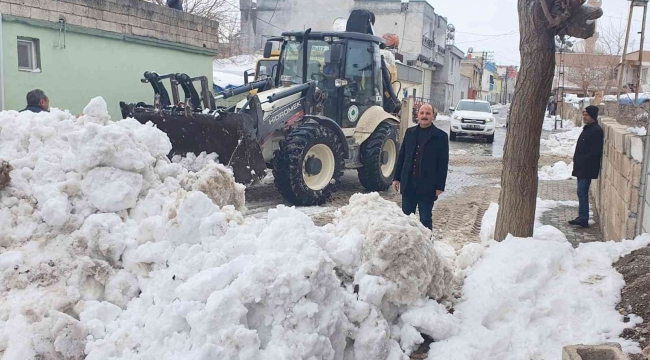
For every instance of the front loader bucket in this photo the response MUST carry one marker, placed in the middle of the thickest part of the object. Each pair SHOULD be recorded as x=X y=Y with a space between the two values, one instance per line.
x=230 y=135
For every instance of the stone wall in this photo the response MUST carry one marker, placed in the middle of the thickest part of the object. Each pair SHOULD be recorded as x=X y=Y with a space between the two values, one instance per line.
x=617 y=192
x=128 y=17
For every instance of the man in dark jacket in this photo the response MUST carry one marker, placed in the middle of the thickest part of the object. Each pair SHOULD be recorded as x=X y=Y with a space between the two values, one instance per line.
x=586 y=161
x=37 y=101
x=421 y=171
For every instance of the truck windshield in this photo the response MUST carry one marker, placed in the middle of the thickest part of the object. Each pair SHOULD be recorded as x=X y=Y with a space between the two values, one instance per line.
x=474 y=106
x=318 y=57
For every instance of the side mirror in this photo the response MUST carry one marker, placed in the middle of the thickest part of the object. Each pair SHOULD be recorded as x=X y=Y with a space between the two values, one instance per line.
x=247 y=74
x=494 y=111
x=336 y=52
x=268 y=48
x=452 y=108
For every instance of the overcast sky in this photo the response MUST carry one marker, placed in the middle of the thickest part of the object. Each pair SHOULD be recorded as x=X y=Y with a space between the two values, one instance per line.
x=493 y=25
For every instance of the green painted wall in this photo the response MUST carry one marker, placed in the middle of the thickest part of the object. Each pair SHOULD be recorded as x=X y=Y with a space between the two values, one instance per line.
x=90 y=66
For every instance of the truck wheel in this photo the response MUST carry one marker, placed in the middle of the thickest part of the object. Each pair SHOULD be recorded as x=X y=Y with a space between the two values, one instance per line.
x=378 y=157
x=452 y=135
x=308 y=165
x=490 y=139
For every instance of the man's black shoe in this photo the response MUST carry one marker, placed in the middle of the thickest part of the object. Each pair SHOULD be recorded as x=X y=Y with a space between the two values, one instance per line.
x=580 y=222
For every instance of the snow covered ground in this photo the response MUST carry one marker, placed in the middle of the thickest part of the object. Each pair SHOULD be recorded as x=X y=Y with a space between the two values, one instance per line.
x=110 y=250
x=559 y=171
x=562 y=143
x=549 y=124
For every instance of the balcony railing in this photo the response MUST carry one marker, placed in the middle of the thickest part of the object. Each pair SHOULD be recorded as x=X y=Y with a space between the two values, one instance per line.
x=430 y=43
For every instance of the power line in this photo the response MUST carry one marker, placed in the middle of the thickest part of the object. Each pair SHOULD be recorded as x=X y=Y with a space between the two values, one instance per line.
x=483 y=40
x=469 y=33
x=274 y=10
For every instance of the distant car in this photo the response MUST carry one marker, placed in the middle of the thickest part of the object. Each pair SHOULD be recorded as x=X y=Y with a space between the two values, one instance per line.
x=473 y=118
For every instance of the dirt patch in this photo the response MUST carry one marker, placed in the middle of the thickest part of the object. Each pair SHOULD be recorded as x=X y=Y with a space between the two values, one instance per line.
x=5 y=170
x=459 y=217
x=635 y=296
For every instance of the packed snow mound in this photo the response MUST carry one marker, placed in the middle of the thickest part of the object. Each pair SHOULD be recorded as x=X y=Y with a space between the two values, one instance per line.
x=527 y=298
x=400 y=263
x=263 y=290
x=559 y=171
x=195 y=163
x=85 y=194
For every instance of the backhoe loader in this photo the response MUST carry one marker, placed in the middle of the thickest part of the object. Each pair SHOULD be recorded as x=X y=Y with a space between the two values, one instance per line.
x=329 y=107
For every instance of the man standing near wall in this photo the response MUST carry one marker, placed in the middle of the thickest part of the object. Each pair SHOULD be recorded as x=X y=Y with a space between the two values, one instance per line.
x=421 y=171
x=586 y=161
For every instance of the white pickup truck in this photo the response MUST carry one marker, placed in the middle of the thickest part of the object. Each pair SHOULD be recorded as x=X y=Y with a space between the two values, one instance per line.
x=473 y=118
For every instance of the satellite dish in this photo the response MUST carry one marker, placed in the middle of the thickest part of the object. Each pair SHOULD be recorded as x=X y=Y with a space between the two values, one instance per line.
x=470 y=50
x=340 y=24
x=451 y=28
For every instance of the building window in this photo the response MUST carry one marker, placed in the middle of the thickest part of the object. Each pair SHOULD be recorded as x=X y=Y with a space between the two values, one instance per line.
x=28 y=55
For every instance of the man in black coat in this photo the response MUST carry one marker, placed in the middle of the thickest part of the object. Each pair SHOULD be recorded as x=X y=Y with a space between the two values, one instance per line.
x=586 y=161
x=37 y=101
x=421 y=171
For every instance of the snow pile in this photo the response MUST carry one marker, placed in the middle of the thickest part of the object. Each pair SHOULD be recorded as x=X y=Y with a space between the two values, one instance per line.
x=400 y=263
x=563 y=143
x=527 y=298
x=267 y=289
x=109 y=250
x=641 y=131
x=559 y=171
x=85 y=194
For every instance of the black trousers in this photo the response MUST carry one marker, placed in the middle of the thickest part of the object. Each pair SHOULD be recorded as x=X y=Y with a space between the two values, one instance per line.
x=411 y=201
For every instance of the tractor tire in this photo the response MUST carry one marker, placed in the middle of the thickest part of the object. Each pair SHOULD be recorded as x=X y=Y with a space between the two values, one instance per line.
x=308 y=165
x=490 y=139
x=379 y=156
x=452 y=135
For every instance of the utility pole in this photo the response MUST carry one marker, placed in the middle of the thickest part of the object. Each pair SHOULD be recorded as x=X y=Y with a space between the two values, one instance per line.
x=622 y=65
x=638 y=77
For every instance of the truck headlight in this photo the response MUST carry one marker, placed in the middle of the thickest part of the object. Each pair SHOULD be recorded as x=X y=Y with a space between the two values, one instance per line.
x=458 y=117
x=490 y=120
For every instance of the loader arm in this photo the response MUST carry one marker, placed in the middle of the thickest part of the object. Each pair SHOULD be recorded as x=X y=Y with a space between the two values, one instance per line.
x=155 y=81
x=190 y=91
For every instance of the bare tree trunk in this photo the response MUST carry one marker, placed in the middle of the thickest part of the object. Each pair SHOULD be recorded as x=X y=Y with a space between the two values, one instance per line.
x=519 y=178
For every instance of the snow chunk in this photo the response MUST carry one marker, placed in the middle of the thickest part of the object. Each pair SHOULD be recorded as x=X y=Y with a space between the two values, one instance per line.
x=641 y=131
x=559 y=171
x=217 y=182
x=10 y=259
x=96 y=111
x=110 y=189
x=397 y=248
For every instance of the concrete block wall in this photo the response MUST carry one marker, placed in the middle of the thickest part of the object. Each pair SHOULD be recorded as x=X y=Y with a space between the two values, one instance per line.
x=617 y=192
x=129 y=17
